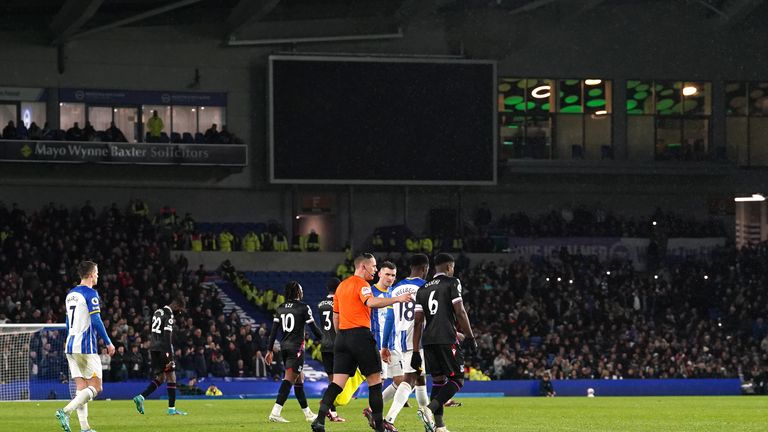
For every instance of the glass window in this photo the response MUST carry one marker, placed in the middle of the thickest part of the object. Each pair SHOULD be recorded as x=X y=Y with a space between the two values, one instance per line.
x=758 y=99
x=736 y=99
x=540 y=95
x=71 y=113
x=100 y=117
x=597 y=96
x=639 y=97
x=33 y=112
x=696 y=98
x=569 y=99
x=126 y=119
x=209 y=116
x=7 y=114
x=185 y=119
x=668 y=97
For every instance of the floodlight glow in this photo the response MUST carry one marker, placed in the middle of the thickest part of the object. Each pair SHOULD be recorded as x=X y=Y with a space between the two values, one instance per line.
x=753 y=198
x=592 y=82
x=690 y=91
x=541 y=92
x=601 y=112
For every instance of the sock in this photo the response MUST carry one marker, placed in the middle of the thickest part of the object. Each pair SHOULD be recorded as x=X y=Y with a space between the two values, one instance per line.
x=329 y=396
x=298 y=391
x=444 y=395
x=421 y=396
x=82 y=415
x=171 y=387
x=436 y=387
x=82 y=397
x=376 y=402
x=150 y=388
x=439 y=420
x=389 y=392
x=282 y=394
x=277 y=409
x=401 y=397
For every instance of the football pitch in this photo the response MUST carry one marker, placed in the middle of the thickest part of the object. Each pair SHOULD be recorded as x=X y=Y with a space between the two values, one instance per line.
x=652 y=414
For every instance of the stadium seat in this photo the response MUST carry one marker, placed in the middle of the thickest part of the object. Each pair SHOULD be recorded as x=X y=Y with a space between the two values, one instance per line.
x=187 y=138
x=577 y=151
x=199 y=138
x=175 y=137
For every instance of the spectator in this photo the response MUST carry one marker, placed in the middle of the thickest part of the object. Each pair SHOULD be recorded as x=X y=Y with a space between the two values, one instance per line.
x=119 y=365
x=212 y=135
x=74 y=133
x=113 y=134
x=213 y=391
x=10 y=131
x=89 y=133
x=155 y=127
x=35 y=133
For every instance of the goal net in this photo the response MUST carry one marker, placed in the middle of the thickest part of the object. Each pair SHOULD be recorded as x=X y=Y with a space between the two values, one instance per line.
x=32 y=362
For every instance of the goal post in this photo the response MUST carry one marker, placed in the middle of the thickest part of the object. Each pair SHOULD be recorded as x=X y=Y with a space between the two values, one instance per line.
x=32 y=362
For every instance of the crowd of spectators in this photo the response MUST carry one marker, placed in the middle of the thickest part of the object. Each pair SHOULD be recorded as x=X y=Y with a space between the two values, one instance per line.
x=39 y=251
x=484 y=233
x=573 y=317
x=87 y=132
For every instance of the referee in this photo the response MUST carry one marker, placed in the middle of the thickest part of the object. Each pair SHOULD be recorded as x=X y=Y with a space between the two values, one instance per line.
x=355 y=346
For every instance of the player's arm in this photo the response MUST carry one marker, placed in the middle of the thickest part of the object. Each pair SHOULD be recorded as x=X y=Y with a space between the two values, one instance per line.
x=336 y=321
x=313 y=325
x=389 y=333
x=95 y=311
x=271 y=343
x=381 y=302
x=168 y=334
x=469 y=343
x=418 y=327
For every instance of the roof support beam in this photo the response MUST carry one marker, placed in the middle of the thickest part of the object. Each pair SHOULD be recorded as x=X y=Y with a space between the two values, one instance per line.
x=139 y=17
x=247 y=12
x=72 y=15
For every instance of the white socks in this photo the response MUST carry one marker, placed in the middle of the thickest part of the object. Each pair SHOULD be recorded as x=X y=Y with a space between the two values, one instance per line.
x=421 y=396
x=276 y=410
x=307 y=411
x=83 y=397
x=389 y=392
x=82 y=415
x=401 y=397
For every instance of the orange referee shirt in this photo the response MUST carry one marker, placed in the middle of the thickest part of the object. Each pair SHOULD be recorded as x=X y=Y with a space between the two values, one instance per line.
x=349 y=303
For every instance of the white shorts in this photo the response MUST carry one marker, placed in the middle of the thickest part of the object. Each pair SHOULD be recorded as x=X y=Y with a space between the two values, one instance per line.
x=84 y=365
x=394 y=367
x=406 y=356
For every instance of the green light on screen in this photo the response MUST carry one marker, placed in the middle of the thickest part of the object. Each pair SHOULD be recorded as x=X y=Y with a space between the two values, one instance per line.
x=545 y=106
x=632 y=83
x=572 y=82
x=513 y=100
x=666 y=92
x=524 y=106
x=571 y=99
x=690 y=105
x=596 y=103
x=595 y=92
x=575 y=109
x=631 y=104
x=664 y=104
x=642 y=87
x=641 y=95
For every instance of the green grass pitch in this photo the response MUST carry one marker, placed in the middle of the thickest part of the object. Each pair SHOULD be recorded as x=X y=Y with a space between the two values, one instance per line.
x=651 y=414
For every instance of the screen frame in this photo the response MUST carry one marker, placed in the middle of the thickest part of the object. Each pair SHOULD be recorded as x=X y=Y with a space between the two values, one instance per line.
x=379 y=59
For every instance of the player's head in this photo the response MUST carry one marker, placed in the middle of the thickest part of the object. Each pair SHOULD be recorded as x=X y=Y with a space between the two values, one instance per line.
x=332 y=284
x=88 y=272
x=387 y=274
x=419 y=264
x=293 y=291
x=444 y=263
x=365 y=266
x=178 y=302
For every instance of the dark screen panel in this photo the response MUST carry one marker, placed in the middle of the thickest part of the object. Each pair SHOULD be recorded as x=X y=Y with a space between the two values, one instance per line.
x=382 y=121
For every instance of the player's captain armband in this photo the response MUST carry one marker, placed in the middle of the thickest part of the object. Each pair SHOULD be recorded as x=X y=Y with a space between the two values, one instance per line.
x=366 y=290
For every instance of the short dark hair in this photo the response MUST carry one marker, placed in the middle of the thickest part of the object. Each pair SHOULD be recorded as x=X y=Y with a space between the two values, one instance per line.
x=388 y=264
x=86 y=268
x=179 y=300
x=418 y=260
x=443 y=258
x=292 y=290
x=332 y=284
x=362 y=257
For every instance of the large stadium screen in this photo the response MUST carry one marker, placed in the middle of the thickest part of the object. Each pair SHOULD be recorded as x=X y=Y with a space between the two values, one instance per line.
x=364 y=120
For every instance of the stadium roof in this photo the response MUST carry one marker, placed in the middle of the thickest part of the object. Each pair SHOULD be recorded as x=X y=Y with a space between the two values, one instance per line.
x=61 y=21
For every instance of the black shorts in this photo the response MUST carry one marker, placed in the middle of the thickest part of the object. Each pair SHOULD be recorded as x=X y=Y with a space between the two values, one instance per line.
x=356 y=348
x=293 y=359
x=328 y=362
x=159 y=362
x=445 y=360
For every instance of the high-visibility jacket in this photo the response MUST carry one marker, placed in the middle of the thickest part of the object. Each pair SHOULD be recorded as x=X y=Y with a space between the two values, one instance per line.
x=426 y=245
x=312 y=241
x=197 y=242
x=411 y=245
x=225 y=241
x=251 y=242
